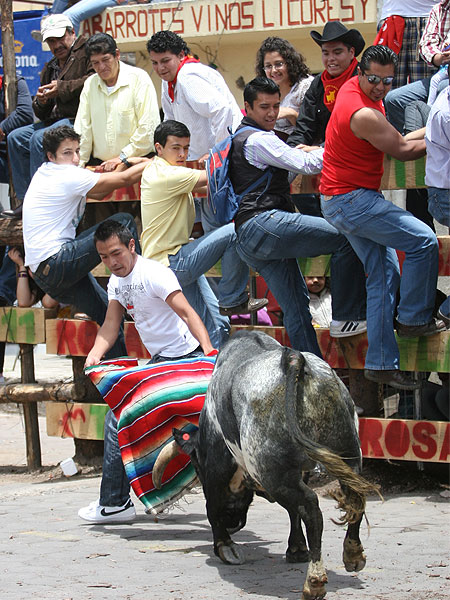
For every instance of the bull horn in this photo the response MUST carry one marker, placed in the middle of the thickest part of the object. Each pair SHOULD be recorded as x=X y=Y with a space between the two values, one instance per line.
x=164 y=457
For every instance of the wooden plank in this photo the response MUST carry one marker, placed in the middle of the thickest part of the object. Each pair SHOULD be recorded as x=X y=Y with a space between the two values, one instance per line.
x=396 y=439
x=402 y=439
x=24 y=325
x=70 y=337
x=131 y=193
x=318 y=266
x=430 y=353
x=76 y=419
x=133 y=342
x=102 y=271
x=397 y=175
x=444 y=254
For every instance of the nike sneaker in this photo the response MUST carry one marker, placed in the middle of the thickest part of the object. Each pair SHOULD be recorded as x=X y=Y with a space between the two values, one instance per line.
x=96 y=513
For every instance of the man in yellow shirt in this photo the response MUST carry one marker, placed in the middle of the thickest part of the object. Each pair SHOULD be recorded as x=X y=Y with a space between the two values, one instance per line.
x=168 y=214
x=118 y=109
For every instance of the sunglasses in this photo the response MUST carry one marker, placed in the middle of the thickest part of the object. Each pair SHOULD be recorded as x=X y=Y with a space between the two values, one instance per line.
x=374 y=79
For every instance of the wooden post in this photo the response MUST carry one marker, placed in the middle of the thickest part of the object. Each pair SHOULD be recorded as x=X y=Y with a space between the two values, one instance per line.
x=9 y=71
x=30 y=410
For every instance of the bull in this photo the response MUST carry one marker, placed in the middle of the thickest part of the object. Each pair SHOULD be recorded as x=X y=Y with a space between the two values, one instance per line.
x=272 y=413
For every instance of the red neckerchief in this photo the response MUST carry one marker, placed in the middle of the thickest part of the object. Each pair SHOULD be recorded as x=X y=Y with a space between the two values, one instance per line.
x=332 y=85
x=186 y=59
x=391 y=33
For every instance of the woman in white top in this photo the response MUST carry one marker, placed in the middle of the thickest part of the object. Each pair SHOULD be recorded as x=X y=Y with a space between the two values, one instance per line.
x=278 y=60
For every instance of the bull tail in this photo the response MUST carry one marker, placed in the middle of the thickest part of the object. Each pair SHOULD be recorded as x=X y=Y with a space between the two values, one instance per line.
x=353 y=501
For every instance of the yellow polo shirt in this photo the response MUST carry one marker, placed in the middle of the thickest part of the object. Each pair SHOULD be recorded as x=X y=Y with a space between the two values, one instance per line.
x=167 y=208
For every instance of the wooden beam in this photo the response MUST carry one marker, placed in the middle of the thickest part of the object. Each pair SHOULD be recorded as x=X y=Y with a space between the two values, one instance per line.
x=431 y=353
x=30 y=413
x=24 y=393
x=24 y=325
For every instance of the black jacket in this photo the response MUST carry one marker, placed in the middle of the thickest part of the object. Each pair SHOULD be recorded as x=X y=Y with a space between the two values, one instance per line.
x=312 y=118
x=70 y=79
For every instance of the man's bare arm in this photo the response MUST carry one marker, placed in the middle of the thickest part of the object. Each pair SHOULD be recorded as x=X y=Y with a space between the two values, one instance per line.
x=370 y=125
x=108 y=182
x=107 y=334
x=178 y=303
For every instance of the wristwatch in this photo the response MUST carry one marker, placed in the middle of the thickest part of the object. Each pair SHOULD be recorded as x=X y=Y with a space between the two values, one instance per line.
x=124 y=159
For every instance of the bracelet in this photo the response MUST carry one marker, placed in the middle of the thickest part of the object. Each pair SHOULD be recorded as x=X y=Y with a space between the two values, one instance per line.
x=23 y=274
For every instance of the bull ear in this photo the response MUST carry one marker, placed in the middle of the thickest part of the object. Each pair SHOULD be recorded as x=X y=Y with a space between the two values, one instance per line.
x=186 y=441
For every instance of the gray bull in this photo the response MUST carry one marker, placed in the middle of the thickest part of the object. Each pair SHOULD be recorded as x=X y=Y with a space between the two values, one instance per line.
x=270 y=414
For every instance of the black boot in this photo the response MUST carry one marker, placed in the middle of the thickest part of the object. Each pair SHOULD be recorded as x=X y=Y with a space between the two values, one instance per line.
x=13 y=213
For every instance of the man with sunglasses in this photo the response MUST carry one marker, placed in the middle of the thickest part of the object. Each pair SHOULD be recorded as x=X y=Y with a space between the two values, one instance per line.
x=357 y=136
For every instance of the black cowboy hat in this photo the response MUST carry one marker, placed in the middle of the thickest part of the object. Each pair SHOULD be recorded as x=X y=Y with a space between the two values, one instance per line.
x=335 y=31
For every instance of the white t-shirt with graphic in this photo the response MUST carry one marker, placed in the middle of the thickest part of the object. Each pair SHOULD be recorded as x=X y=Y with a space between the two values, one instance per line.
x=52 y=208
x=143 y=294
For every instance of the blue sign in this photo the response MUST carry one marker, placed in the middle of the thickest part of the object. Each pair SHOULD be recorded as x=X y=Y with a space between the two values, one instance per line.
x=30 y=58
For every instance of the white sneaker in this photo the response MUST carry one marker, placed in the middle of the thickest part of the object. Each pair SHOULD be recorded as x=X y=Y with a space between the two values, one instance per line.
x=340 y=329
x=96 y=513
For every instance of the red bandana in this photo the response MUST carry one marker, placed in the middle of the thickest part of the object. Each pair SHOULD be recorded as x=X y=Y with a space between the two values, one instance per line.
x=186 y=59
x=332 y=85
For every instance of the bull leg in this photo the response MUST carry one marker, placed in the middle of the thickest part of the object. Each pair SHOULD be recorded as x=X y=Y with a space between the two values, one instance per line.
x=297 y=550
x=224 y=547
x=303 y=501
x=353 y=554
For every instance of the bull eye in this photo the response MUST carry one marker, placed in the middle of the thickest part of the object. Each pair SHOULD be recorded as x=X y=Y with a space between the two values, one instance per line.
x=186 y=437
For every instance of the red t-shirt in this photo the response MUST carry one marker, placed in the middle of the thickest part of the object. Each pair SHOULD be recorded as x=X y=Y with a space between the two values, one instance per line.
x=349 y=162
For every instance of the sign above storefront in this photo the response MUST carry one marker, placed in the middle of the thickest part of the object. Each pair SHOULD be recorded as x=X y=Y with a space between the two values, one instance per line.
x=132 y=23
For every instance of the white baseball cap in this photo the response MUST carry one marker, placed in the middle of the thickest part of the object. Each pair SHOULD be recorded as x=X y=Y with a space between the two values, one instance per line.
x=55 y=26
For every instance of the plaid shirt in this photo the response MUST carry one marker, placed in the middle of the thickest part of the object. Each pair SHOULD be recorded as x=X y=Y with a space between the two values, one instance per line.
x=436 y=35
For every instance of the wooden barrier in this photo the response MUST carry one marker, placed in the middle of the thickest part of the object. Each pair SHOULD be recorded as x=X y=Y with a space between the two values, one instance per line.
x=397 y=175
x=76 y=419
x=24 y=325
x=131 y=193
x=396 y=439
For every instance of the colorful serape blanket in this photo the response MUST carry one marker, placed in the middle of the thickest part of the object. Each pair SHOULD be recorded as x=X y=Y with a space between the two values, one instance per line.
x=148 y=401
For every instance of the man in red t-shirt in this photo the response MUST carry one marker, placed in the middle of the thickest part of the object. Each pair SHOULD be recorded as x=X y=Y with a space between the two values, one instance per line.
x=357 y=136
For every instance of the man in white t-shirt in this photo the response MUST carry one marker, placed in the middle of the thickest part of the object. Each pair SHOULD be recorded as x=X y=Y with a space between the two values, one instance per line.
x=54 y=204
x=169 y=328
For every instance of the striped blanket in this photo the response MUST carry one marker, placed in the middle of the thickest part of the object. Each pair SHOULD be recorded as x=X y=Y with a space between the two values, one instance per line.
x=148 y=401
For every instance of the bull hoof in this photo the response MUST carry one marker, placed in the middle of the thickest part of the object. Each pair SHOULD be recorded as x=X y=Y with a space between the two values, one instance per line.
x=316 y=578
x=230 y=553
x=314 y=588
x=298 y=556
x=353 y=556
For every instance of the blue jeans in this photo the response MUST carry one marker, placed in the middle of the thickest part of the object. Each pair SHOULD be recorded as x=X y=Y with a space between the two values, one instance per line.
x=66 y=276
x=84 y=9
x=374 y=227
x=115 y=487
x=272 y=241
x=196 y=258
x=397 y=100
x=26 y=154
x=439 y=204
